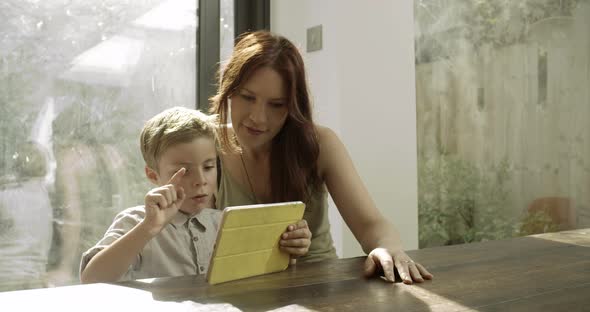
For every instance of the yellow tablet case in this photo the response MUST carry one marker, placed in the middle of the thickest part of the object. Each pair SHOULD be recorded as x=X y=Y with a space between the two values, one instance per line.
x=248 y=241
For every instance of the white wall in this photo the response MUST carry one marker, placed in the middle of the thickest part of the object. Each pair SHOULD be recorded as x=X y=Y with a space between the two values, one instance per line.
x=363 y=87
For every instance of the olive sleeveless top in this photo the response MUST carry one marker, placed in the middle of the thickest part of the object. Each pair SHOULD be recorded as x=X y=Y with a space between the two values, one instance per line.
x=231 y=193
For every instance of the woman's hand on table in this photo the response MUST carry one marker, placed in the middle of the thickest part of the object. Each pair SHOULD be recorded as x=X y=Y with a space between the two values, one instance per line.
x=409 y=271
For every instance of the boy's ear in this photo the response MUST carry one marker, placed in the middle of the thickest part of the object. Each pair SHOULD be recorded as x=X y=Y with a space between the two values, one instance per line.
x=151 y=175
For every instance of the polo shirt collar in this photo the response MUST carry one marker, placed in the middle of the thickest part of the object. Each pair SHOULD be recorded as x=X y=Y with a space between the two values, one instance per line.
x=181 y=218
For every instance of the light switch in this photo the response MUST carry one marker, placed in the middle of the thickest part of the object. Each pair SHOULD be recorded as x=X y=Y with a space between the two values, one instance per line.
x=314 y=38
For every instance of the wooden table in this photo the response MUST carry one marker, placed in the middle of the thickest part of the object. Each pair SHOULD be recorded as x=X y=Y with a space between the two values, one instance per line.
x=548 y=272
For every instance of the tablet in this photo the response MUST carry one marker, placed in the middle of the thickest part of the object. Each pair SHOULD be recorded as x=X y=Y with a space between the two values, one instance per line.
x=248 y=241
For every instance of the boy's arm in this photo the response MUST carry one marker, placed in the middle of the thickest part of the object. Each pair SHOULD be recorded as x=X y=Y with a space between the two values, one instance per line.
x=161 y=205
x=111 y=263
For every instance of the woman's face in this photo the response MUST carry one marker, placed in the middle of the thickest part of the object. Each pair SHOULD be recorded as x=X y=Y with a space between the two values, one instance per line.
x=259 y=109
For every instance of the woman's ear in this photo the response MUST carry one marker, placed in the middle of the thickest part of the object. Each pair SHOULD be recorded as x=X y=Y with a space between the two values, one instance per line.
x=151 y=174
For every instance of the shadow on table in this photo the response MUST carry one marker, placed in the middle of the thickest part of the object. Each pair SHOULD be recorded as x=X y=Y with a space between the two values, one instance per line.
x=525 y=273
x=530 y=273
x=335 y=286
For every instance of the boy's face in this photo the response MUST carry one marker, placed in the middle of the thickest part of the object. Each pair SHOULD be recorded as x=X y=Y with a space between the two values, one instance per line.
x=199 y=181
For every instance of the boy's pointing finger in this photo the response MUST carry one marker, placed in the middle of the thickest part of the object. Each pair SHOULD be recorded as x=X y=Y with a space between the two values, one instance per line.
x=175 y=180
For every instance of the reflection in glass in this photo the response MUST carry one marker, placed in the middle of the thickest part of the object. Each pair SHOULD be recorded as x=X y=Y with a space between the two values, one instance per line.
x=77 y=81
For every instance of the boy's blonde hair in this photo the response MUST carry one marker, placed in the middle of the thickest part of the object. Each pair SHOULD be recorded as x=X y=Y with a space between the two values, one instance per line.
x=173 y=126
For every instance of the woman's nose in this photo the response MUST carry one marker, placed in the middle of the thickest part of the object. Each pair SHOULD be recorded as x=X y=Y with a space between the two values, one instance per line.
x=258 y=113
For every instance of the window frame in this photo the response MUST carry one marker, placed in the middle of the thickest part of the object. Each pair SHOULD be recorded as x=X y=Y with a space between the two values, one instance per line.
x=208 y=51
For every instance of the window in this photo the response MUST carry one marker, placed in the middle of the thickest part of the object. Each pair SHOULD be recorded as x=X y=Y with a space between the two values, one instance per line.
x=226 y=29
x=77 y=81
x=516 y=163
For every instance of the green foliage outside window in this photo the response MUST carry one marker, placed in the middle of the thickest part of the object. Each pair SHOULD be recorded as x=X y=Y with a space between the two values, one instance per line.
x=461 y=203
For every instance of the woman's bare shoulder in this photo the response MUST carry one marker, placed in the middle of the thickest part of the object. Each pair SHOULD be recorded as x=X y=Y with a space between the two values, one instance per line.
x=326 y=135
x=330 y=145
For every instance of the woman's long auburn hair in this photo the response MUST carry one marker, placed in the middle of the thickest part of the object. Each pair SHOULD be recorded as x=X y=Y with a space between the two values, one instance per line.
x=295 y=149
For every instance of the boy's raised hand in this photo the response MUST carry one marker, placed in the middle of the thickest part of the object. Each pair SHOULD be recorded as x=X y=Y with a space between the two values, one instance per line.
x=162 y=203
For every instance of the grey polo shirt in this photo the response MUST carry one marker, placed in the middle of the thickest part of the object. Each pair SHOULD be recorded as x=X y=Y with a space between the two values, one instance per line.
x=183 y=247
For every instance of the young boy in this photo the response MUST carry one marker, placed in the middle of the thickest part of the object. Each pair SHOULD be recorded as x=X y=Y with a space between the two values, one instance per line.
x=174 y=233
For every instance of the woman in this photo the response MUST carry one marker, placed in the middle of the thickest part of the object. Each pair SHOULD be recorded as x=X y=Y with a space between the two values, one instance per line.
x=274 y=153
